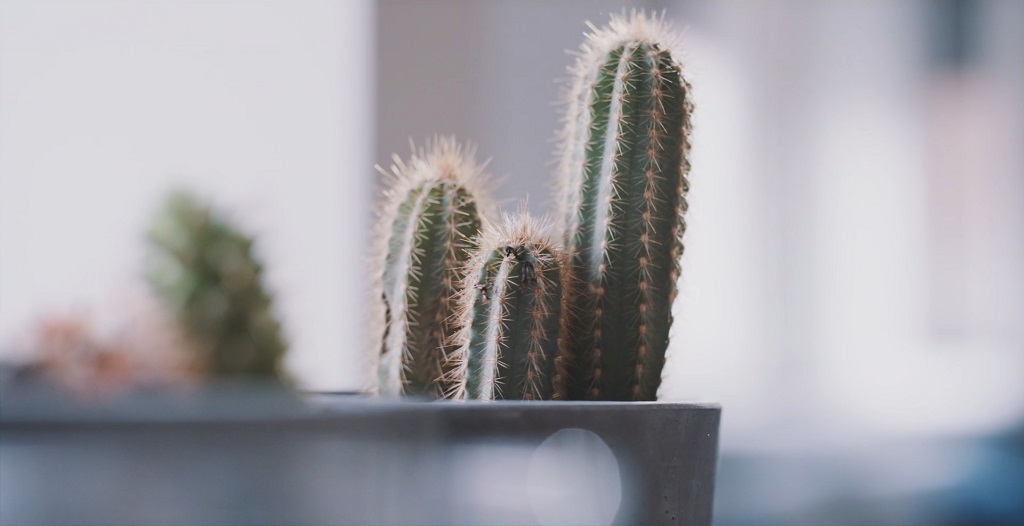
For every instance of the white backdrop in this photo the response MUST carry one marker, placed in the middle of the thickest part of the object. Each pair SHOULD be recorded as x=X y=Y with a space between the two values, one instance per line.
x=849 y=261
x=263 y=106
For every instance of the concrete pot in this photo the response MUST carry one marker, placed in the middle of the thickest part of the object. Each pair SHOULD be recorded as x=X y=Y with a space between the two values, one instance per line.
x=234 y=456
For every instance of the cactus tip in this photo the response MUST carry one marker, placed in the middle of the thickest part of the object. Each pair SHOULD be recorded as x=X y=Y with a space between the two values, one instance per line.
x=635 y=26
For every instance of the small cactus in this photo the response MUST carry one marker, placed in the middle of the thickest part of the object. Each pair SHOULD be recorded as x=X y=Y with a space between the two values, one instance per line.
x=431 y=214
x=510 y=343
x=205 y=272
x=623 y=174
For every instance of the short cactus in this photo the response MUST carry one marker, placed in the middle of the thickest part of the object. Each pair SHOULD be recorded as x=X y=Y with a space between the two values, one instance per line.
x=510 y=344
x=431 y=214
x=205 y=272
x=624 y=181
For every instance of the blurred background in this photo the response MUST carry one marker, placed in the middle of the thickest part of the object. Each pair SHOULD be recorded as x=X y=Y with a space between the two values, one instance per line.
x=853 y=285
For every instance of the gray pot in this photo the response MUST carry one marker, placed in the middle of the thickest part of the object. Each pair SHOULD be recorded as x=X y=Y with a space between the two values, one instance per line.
x=234 y=456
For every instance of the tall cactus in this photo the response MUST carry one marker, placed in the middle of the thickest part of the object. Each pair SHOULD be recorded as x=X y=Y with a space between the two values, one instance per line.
x=623 y=174
x=511 y=340
x=205 y=271
x=431 y=214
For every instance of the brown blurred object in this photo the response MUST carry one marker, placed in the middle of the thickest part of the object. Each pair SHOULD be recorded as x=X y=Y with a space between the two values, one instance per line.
x=144 y=352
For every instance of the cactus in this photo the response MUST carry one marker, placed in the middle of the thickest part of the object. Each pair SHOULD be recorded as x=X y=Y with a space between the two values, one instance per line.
x=510 y=343
x=205 y=272
x=623 y=172
x=431 y=214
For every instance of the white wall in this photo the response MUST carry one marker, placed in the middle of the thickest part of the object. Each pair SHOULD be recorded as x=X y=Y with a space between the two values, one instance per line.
x=820 y=272
x=263 y=105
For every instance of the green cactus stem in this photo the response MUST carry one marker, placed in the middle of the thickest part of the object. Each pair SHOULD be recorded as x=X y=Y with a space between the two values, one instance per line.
x=623 y=174
x=510 y=343
x=206 y=273
x=431 y=214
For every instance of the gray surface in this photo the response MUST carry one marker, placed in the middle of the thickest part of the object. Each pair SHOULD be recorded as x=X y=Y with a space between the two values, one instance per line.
x=233 y=457
x=487 y=72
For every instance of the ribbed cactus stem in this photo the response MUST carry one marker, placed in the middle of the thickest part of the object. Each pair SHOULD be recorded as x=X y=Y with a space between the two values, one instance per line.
x=431 y=214
x=623 y=170
x=511 y=343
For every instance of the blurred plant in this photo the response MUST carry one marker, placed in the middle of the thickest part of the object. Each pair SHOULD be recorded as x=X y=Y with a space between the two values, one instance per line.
x=623 y=174
x=510 y=344
x=430 y=216
x=144 y=351
x=208 y=277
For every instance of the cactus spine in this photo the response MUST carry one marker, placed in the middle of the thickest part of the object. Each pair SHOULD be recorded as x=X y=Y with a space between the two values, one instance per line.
x=510 y=342
x=431 y=214
x=205 y=272
x=624 y=181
